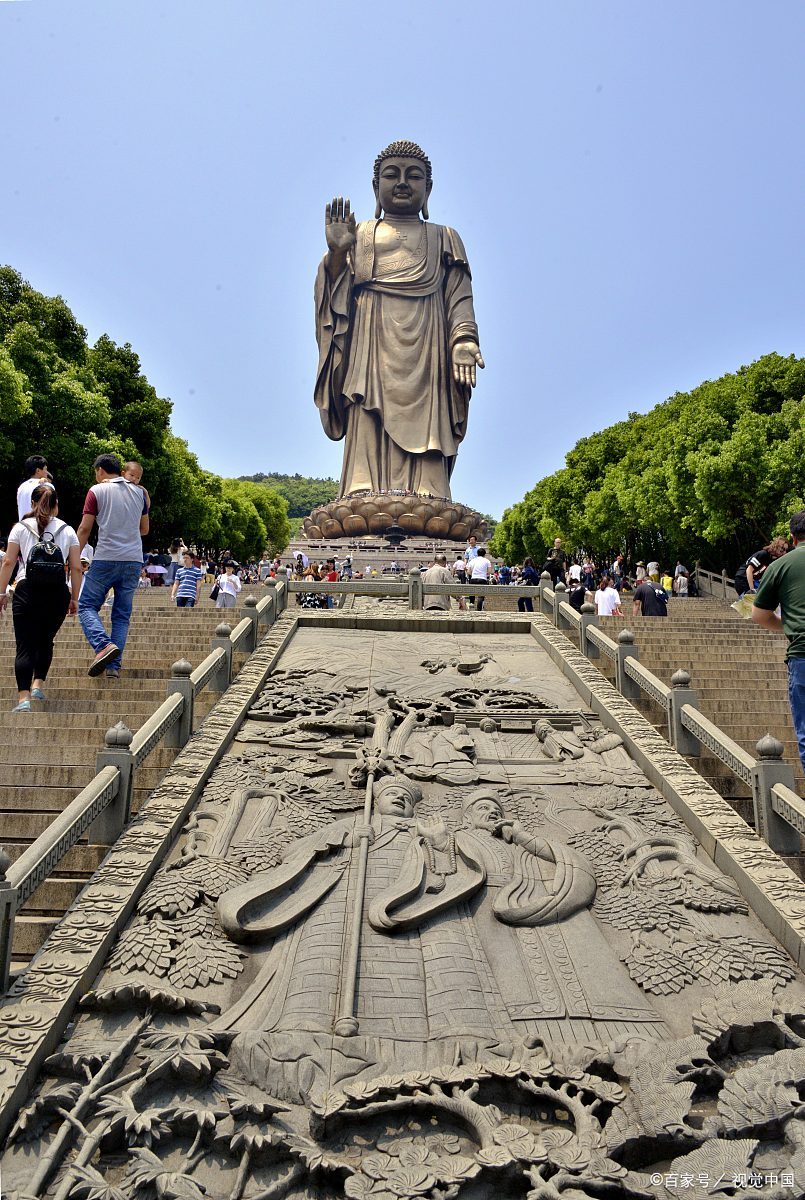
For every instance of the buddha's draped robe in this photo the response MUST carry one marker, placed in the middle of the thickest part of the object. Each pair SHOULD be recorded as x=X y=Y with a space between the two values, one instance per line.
x=386 y=327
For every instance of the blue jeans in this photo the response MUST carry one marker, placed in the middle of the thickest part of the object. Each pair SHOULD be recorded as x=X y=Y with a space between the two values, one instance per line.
x=796 y=698
x=122 y=578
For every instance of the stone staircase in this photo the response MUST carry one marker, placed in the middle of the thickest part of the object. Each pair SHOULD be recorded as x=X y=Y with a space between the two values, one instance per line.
x=737 y=670
x=738 y=673
x=47 y=756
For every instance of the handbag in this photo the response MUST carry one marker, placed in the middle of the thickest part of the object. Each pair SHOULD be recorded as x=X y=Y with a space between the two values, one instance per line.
x=215 y=592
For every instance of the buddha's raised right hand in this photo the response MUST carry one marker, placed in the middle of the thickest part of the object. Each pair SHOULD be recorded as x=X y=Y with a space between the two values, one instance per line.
x=339 y=229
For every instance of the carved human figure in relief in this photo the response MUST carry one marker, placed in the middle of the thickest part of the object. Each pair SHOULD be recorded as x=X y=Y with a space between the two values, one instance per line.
x=542 y=965
x=302 y=910
x=471 y=942
x=398 y=342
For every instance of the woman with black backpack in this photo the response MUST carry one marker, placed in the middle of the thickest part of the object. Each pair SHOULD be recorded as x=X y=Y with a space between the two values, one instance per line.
x=45 y=547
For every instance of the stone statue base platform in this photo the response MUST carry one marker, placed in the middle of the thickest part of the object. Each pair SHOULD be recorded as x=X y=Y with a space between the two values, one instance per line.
x=376 y=512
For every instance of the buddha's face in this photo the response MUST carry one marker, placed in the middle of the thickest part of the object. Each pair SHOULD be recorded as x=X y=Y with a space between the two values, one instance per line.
x=486 y=813
x=395 y=801
x=403 y=187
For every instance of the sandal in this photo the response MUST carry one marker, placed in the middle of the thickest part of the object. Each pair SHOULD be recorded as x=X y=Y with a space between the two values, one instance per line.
x=38 y=694
x=23 y=706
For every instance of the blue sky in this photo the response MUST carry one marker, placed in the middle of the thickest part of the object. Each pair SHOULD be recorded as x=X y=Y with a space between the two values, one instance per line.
x=628 y=179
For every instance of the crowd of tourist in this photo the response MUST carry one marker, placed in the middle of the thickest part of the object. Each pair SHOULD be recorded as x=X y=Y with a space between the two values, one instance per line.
x=49 y=569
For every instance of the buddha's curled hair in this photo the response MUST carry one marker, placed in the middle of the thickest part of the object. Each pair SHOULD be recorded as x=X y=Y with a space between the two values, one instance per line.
x=403 y=150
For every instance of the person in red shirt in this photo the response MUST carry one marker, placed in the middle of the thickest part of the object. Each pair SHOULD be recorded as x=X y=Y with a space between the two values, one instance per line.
x=331 y=576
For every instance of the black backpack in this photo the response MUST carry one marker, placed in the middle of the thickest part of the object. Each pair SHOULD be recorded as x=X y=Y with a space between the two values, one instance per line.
x=44 y=567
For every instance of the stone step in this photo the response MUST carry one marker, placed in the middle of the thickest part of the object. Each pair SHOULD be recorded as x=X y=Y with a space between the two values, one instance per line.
x=36 y=751
x=30 y=931
x=56 y=894
x=80 y=861
x=53 y=776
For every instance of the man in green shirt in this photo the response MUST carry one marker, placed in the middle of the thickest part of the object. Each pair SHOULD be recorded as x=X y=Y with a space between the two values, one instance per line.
x=783 y=584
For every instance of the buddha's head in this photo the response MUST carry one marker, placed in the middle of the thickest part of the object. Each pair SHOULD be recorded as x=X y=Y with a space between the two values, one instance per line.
x=396 y=796
x=402 y=180
x=482 y=810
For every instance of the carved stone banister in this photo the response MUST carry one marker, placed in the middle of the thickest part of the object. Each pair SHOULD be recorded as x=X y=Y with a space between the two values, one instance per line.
x=648 y=682
x=267 y=607
x=149 y=735
x=715 y=740
x=240 y=634
x=205 y=670
x=37 y=862
x=602 y=641
x=515 y=591
x=569 y=613
x=355 y=587
x=788 y=805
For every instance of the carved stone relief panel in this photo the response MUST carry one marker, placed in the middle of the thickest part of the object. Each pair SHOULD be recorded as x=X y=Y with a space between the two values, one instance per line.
x=426 y=936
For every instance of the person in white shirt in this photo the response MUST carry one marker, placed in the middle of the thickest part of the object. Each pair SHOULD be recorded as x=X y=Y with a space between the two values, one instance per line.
x=228 y=587
x=36 y=474
x=40 y=604
x=607 y=600
x=480 y=569
x=574 y=572
x=653 y=570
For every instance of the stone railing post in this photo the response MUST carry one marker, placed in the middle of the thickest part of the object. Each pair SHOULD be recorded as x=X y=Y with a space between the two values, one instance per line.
x=416 y=592
x=544 y=607
x=768 y=770
x=180 y=733
x=588 y=617
x=682 y=740
x=8 y=908
x=284 y=575
x=627 y=687
x=250 y=611
x=269 y=613
x=108 y=825
x=724 y=581
x=559 y=595
x=223 y=676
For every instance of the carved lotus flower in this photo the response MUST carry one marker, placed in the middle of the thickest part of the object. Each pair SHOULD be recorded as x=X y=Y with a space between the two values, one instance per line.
x=358 y=515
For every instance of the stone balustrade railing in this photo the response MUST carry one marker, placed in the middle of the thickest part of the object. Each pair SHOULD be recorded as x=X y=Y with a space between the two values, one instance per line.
x=779 y=812
x=102 y=809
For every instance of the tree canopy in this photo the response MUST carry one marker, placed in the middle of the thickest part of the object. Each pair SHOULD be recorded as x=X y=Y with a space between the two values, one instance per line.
x=70 y=401
x=711 y=474
x=302 y=493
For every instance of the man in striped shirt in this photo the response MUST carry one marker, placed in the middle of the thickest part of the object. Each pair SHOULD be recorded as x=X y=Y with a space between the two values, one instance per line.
x=187 y=583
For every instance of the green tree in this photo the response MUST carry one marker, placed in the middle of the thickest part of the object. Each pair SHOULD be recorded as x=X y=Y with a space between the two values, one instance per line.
x=302 y=492
x=709 y=474
x=71 y=402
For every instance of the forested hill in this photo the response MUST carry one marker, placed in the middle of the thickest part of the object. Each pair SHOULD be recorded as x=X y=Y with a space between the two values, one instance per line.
x=302 y=492
x=70 y=401
x=711 y=474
